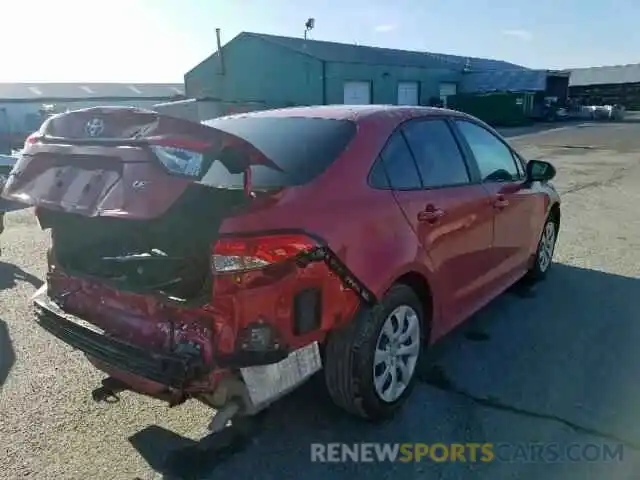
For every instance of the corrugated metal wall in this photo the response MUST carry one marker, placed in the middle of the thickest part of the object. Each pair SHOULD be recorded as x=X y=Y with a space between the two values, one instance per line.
x=260 y=71
x=627 y=95
x=257 y=71
x=384 y=81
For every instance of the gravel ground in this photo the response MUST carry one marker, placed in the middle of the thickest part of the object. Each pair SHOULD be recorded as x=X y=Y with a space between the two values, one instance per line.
x=567 y=354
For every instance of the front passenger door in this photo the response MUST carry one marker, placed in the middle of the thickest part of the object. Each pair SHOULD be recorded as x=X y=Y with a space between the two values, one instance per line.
x=502 y=174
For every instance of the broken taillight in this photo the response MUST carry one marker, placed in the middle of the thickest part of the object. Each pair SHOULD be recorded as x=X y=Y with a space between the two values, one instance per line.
x=240 y=262
x=241 y=254
x=180 y=156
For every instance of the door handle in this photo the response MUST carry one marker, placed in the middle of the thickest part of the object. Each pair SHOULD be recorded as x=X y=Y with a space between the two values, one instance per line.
x=430 y=215
x=501 y=202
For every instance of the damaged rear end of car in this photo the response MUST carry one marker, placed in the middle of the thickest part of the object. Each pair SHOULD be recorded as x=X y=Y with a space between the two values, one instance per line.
x=140 y=277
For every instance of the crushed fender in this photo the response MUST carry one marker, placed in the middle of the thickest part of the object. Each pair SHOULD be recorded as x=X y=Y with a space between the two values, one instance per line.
x=351 y=281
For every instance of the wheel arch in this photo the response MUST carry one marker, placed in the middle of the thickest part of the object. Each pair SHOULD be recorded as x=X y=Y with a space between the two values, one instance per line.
x=423 y=290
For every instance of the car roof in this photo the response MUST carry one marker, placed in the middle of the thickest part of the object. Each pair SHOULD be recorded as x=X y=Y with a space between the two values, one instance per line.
x=351 y=112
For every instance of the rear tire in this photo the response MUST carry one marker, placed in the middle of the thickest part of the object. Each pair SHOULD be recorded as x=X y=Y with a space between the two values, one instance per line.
x=544 y=254
x=389 y=335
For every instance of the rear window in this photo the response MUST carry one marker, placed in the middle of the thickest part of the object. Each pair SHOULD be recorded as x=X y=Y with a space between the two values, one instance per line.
x=302 y=147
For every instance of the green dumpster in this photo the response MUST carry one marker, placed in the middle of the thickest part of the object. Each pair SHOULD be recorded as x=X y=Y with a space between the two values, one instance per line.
x=500 y=109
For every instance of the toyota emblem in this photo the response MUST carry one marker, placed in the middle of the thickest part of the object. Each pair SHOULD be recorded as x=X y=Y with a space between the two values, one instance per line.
x=94 y=127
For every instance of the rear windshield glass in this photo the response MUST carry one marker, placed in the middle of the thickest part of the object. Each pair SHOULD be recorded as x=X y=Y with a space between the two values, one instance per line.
x=302 y=147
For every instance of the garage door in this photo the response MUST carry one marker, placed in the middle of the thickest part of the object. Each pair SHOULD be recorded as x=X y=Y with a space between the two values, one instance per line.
x=408 y=93
x=447 y=90
x=357 y=93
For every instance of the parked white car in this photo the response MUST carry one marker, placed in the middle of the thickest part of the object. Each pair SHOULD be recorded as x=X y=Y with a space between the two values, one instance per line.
x=602 y=112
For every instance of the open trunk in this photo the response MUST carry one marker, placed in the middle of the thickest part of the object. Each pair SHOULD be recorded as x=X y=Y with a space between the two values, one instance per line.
x=170 y=254
x=128 y=196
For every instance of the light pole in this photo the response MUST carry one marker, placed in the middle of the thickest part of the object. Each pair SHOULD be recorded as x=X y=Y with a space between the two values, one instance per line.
x=311 y=22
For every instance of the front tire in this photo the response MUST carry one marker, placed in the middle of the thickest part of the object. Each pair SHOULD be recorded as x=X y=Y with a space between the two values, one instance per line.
x=371 y=363
x=544 y=254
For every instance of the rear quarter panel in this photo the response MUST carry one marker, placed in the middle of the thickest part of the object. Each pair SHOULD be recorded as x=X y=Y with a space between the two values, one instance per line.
x=364 y=227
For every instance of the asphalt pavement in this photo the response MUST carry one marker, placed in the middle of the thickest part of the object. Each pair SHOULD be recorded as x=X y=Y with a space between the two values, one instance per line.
x=558 y=365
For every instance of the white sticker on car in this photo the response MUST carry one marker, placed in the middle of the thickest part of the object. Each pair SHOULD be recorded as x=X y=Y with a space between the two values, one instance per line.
x=267 y=383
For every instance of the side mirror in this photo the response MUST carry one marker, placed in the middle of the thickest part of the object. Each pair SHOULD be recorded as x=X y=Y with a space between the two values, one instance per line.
x=540 y=171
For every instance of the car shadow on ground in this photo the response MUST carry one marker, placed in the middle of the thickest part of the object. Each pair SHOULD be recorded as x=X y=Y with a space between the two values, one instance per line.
x=539 y=352
x=10 y=274
x=7 y=354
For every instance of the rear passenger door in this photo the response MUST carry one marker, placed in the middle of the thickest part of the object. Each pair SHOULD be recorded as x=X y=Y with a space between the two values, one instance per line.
x=502 y=174
x=451 y=216
x=459 y=237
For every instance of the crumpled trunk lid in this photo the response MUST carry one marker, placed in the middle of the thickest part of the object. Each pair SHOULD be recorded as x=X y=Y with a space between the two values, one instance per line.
x=108 y=183
x=100 y=162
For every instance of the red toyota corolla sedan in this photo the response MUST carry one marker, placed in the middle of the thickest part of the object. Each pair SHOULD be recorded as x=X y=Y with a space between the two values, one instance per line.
x=228 y=261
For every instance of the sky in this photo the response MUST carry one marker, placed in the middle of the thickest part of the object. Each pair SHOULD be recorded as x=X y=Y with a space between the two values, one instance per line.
x=160 y=40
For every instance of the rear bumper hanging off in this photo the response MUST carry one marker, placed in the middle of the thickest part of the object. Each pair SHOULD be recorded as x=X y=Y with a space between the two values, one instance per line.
x=169 y=369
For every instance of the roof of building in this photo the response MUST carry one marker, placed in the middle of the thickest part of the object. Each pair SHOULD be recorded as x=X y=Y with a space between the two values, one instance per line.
x=362 y=54
x=614 y=74
x=35 y=91
x=507 y=81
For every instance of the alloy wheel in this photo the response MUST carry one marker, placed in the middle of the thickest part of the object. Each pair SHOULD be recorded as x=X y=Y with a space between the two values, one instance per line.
x=396 y=353
x=547 y=246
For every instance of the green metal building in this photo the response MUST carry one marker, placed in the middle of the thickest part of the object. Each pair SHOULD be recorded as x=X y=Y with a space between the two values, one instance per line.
x=271 y=71
x=292 y=71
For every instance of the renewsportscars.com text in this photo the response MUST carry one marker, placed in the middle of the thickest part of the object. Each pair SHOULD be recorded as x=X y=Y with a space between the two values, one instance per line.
x=467 y=452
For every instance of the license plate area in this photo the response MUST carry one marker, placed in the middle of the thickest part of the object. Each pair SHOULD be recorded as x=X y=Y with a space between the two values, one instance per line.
x=267 y=383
